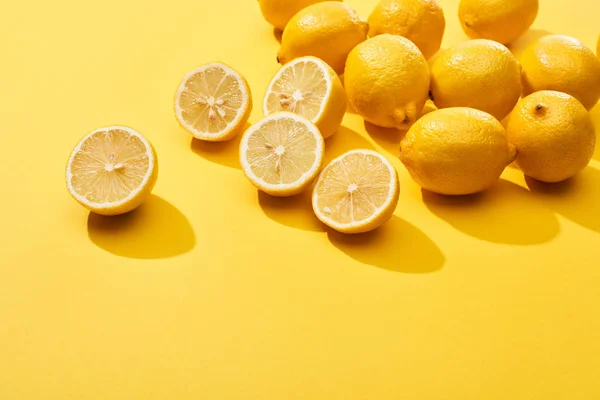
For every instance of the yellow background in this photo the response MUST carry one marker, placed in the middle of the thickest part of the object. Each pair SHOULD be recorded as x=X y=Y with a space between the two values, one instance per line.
x=214 y=291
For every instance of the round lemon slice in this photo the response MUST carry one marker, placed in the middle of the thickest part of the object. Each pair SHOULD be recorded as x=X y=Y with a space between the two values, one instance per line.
x=357 y=192
x=112 y=170
x=307 y=86
x=282 y=154
x=213 y=102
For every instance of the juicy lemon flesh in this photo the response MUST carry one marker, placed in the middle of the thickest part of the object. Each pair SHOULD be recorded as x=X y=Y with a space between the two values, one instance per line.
x=211 y=100
x=301 y=89
x=281 y=152
x=109 y=166
x=353 y=189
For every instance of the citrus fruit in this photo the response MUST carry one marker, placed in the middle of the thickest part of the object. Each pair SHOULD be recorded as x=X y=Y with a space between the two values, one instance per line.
x=554 y=136
x=480 y=73
x=310 y=88
x=564 y=64
x=282 y=154
x=387 y=81
x=213 y=102
x=357 y=192
x=420 y=21
x=279 y=12
x=327 y=30
x=112 y=170
x=501 y=20
x=456 y=151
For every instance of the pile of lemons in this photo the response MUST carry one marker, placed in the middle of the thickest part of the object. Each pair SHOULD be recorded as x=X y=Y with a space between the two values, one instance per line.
x=391 y=66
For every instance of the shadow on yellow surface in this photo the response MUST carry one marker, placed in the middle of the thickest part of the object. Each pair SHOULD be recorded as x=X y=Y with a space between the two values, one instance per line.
x=295 y=211
x=507 y=213
x=577 y=199
x=345 y=139
x=156 y=229
x=223 y=153
x=531 y=36
x=595 y=113
x=390 y=138
x=396 y=246
x=277 y=34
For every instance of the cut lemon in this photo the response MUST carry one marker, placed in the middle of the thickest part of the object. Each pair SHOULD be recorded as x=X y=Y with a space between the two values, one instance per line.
x=307 y=86
x=282 y=154
x=357 y=192
x=213 y=103
x=112 y=170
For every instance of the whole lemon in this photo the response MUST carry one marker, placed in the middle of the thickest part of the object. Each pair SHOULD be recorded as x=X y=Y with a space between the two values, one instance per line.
x=562 y=63
x=421 y=21
x=387 y=81
x=501 y=20
x=456 y=151
x=479 y=73
x=327 y=30
x=554 y=136
x=279 y=12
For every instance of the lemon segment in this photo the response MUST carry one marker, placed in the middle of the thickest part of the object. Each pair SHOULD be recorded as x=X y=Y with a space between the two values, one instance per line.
x=282 y=154
x=307 y=86
x=357 y=192
x=213 y=102
x=112 y=170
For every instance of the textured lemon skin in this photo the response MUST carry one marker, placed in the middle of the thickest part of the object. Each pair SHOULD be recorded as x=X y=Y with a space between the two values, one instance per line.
x=456 y=151
x=564 y=64
x=132 y=203
x=420 y=21
x=479 y=73
x=387 y=81
x=501 y=20
x=554 y=136
x=279 y=12
x=328 y=30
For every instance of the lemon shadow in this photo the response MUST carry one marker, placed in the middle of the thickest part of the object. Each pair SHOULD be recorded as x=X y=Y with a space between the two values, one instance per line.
x=506 y=214
x=389 y=138
x=156 y=229
x=577 y=199
x=518 y=46
x=595 y=113
x=295 y=212
x=277 y=34
x=396 y=246
x=345 y=139
x=223 y=153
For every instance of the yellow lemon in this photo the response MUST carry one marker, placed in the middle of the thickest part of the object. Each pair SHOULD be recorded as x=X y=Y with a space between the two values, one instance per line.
x=282 y=154
x=308 y=87
x=112 y=170
x=357 y=192
x=480 y=73
x=554 y=136
x=279 y=12
x=501 y=20
x=598 y=47
x=421 y=21
x=564 y=64
x=327 y=30
x=387 y=81
x=456 y=151
x=213 y=102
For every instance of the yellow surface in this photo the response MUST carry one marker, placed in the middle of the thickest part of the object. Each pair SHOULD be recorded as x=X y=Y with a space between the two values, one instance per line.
x=213 y=291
